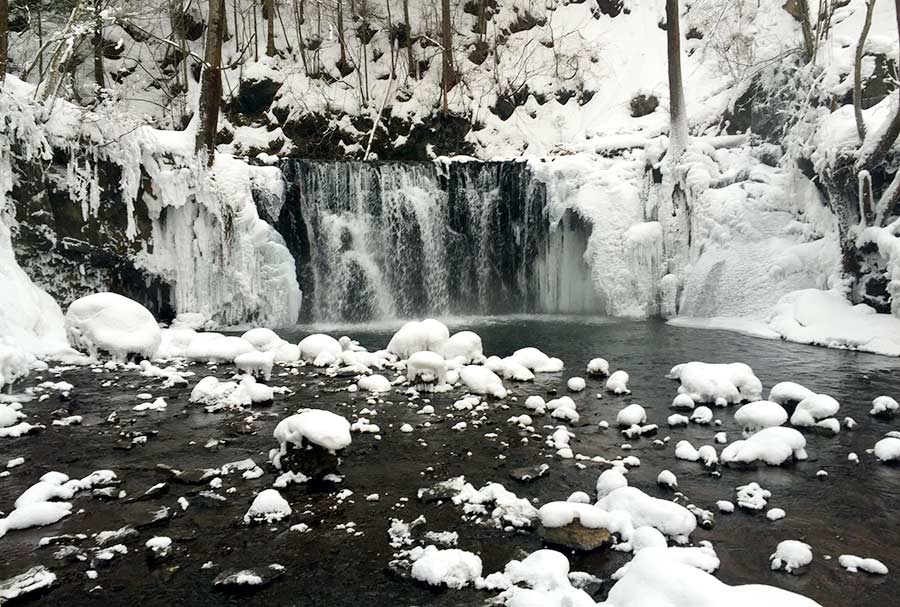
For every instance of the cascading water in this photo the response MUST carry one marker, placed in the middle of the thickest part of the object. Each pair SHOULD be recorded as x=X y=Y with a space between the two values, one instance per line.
x=376 y=240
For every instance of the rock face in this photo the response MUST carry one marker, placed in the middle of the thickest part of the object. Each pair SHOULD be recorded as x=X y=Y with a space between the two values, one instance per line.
x=575 y=536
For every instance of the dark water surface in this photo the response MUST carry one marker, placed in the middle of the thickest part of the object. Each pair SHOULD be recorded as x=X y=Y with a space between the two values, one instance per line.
x=852 y=511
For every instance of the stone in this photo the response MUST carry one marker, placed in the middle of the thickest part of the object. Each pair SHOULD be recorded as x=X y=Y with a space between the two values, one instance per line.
x=575 y=536
x=247 y=580
x=529 y=474
x=33 y=580
x=311 y=460
x=643 y=105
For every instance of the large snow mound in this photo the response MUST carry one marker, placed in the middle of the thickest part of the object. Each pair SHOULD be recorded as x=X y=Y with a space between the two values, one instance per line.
x=113 y=324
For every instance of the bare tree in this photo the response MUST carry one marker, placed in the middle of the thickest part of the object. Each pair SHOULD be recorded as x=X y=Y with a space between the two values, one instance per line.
x=66 y=42
x=678 y=129
x=97 y=43
x=857 y=72
x=4 y=37
x=446 y=53
x=410 y=57
x=211 y=82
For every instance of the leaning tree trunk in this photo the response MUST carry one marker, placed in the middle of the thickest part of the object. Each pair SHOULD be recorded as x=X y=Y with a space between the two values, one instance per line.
x=97 y=43
x=446 y=54
x=68 y=40
x=410 y=57
x=4 y=37
x=211 y=82
x=269 y=7
x=678 y=130
x=857 y=72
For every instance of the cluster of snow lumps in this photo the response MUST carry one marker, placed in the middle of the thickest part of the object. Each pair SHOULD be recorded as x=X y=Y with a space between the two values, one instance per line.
x=719 y=383
x=540 y=579
x=563 y=408
x=671 y=519
x=536 y=361
x=216 y=395
x=309 y=442
x=112 y=324
x=509 y=368
x=426 y=335
x=452 y=567
x=427 y=371
x=681 y=577
x=760 y=414
x=774 y=446
x=268 y=507
x=38 y=505
x=481 y=380
x=321 y=350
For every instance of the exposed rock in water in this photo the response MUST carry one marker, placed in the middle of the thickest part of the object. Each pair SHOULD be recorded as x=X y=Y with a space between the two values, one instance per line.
x=527 y=475
x=312 y=461
x=33 y=580
x=575 y=536
x=247 y=580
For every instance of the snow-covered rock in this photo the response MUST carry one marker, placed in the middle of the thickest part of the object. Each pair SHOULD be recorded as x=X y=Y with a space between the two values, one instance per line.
x=813 y=409
x=464 y=347
x=773 y=446
x=853 y=564
x=316 y=426
x=482 y=380
x=268 y=507
x=426 y=368
x=598 y=367
x=453 y=568
x=112 y=324
x=618 y=383
x=791 y=555
x=633 y=414
x=374 y=383
x=882 y=406
x=428 y=335
x=535 y=360
x=760 y=414
x=669 y=518
x=720 y=383
x=320 y=349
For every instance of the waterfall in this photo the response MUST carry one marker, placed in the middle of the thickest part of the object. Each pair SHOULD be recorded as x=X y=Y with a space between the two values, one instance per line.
x=391 y=239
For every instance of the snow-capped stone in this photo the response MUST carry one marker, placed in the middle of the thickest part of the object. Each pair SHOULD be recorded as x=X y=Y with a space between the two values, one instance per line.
x=773 y=446
x=320 y=349
x=598 y=367
x=464 y=347
x=882 y=406
x=814 y=408
x=482 y=380
x=667 y=479
x=535 y=360
x=887 y=449
x=315 y=426
x=453 y=568
x=669 y=518
x=760 y=414
x=257 y=364
x=853 y=564
x=112 y=324
x=374 y=383
x=428 y=335
x=609 y=481
x=722 y=383
x=683 y=401
x=631 y=415
x=269 y=507
x=791 y=555
x=618 y=383
x=788 y=392
x=576 y=384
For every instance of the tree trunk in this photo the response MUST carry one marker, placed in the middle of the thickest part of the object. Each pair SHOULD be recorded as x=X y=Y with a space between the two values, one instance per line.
x=4 y=37
x=678 y=129
x=447 y=53
x=69 y=39
x=809 y=46
x=99 y=79
x=269 y=7
x=410 y=56
x=857 y=72
x=340 y=27
x=211 y=82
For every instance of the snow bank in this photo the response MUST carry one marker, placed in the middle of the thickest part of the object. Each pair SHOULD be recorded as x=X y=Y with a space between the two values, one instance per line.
x=112 y=324
x=826 y=318
x=452 y=567
x=721 y=384
x=322 y=428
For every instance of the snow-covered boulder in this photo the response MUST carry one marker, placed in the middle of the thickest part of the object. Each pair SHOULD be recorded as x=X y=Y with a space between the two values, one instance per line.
x=217 y=348
x=374 y=383
x=262 y=339
x=719 y=383
x=598 y=367
x=633 y=414
x=319 y=349
x=760 y=414
x=609 y=481
x=112 y=324
x=14 y=364
x=618 y=383
x=420 y=336
x=309 y=442
x=576 y=384
x=773 y=446
x=482 y=380
x=453 y=568
x=465 y=347
x=882 y=406
x=791 y=555
x=217 y=395
x=257 y=364
x=535 y=360
x=427 y=369
x=788 y=392
x=671 y=519
x=268 y=507
x=813 y=409
x=887 y=449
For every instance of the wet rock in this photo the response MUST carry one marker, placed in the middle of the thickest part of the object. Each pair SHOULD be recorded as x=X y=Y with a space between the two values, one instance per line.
x=151 y=493
x=247 y=580
x=193 y=476
x=30 y=582
x=575 y=536
x=312 y=461
x=529 y=474
x=151 y=518
x=105 y=493
x=59 y=540
x=440 y=492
